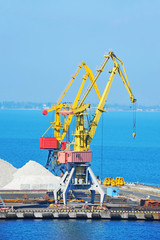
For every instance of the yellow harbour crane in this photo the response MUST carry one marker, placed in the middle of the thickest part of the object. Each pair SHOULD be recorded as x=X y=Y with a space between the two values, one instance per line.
x=77 y=173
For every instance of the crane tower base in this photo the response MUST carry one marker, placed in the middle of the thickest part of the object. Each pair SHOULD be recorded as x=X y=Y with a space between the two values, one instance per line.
x=78 y=176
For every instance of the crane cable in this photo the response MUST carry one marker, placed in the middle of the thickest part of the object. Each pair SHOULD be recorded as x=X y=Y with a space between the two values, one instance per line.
x=102 y=149
x=134 y=119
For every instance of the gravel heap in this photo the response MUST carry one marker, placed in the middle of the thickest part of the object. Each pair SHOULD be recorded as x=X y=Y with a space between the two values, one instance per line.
x=32 y=176
x=6 y=173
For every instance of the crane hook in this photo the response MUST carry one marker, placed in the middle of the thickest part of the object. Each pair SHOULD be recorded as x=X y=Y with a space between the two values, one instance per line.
x=134 y=120
x=133 y=134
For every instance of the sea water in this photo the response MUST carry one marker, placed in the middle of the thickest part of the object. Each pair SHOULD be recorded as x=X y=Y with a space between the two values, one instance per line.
x=115 y=153
x=78 y=230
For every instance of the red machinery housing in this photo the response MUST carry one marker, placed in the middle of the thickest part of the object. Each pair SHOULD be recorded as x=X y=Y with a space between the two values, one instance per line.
x=48 y=143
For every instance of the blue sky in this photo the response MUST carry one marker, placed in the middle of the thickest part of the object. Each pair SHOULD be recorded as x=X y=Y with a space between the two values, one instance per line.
x=42 y=42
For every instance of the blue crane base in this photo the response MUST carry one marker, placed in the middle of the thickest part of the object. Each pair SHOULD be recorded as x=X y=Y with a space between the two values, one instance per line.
x=78 y=176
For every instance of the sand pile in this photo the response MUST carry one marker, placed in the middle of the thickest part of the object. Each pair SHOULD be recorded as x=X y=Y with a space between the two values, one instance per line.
x=6 y=173
x=32 y=176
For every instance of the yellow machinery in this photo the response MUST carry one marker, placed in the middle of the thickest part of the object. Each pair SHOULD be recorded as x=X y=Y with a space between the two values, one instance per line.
x=107 y=181
x=120 y=181
x=110 y=181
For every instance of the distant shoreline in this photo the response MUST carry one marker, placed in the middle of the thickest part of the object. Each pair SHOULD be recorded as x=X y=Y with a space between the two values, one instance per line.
x=33 y=106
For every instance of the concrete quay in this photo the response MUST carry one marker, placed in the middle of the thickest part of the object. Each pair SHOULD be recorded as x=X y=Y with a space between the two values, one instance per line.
x=79 y=214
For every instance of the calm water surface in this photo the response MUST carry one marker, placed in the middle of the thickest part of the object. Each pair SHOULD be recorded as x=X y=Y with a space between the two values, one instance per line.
x=78 y=230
